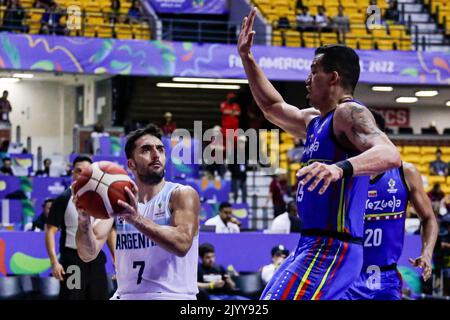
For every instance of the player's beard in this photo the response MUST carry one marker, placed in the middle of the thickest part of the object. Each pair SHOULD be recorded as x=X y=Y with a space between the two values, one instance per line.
x=151 y=177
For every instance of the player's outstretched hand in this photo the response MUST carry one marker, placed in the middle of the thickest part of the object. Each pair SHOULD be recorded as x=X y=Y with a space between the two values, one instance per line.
x=130 y=210
x=319 y=172
x=424 y=263
x=245 y=40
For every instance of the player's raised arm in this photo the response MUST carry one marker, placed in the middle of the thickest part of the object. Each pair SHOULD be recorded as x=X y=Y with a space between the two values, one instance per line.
x=430 y=228
x=91 y=237
x=272 y=104
x=178 y=236
x=356 y=128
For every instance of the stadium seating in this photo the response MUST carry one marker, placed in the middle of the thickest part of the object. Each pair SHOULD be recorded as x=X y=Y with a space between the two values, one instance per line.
x=95 y=20
x=421 y=156
x=441 y=8
x=391 y=37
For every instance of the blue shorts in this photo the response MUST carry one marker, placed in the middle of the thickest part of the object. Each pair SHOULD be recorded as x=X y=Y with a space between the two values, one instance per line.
x=376 y=285
x=321 y=268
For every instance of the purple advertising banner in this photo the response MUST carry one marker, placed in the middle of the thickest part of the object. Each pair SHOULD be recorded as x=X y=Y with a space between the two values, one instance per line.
x=47 y=187
x=163 y=58
x=190 y=6
x=25 y=253
x=8 y=184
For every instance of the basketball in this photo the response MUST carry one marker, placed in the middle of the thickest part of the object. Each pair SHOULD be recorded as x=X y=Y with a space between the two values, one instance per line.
x=100 y=186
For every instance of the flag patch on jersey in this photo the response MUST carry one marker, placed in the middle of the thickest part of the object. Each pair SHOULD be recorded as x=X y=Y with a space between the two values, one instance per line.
x=372 y=193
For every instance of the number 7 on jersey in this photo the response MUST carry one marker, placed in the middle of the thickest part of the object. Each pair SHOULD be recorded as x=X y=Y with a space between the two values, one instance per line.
x=141 y=265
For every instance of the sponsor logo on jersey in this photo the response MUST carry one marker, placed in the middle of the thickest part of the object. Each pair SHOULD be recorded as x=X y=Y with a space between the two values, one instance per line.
x=161 y=212
x=391 y=184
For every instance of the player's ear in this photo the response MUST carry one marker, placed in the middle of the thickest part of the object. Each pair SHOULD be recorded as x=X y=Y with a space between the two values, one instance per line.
x=131 y=164
x=334 y=77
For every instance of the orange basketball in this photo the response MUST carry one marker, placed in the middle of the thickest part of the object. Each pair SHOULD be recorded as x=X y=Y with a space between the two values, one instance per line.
x=100 y=186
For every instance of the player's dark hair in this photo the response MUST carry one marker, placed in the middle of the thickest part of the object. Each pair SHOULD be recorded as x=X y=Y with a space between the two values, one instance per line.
x=205 y=248
x=6 y=159
x=150 y=129
x=224 y=205
x=47 y=200
x=379 y=119
x=344 y=61
x=81 y=158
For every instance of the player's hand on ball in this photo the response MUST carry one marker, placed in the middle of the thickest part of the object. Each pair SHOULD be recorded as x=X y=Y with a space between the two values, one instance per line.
x=246 y=36
x=317 y=172
x=423 y=262
x=130 y=210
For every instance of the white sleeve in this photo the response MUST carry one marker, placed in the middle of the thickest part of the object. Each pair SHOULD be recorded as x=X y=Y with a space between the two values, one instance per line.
x=266 y=273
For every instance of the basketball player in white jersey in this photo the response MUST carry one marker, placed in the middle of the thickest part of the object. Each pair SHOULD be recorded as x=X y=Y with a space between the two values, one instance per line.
x=157 y=233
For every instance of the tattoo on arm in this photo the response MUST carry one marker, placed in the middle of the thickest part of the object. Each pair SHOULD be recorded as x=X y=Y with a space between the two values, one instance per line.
x=363 y=126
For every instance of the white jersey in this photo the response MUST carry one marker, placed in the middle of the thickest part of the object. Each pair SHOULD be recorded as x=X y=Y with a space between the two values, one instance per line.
x=144 y=269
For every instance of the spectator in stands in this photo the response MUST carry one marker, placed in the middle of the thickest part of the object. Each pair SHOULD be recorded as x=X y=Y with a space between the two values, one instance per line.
x=438 y=167
x=255 y=116
x=224 y=221
x=39 y=223
x=44 y=4
x=231 y=111
x=288 y=221
x=50 y=21
x=279 y=254
x=135 y=11
x=5 y=107
x=169 y=125
x=212 y=279
x=4 y=147
x=114 y=15
x=341 y=24
x=238 y=171
x=6 y=169
x=45 y=172
x=305 y=21
x=436 y=195
x=392 y=15
x=441 y=259
x=445 y=205
x=278 y=192
x=13 y=17
x=96 y=134
x=321 y=20
x=216 y=147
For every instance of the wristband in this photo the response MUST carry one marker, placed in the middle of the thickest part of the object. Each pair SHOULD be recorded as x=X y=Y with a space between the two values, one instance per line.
x=211 y=285
x=346 y=167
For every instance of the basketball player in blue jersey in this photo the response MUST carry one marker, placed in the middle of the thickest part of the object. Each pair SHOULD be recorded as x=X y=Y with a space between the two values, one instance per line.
x=343 y=148
x=157 y=233
x=384 y=230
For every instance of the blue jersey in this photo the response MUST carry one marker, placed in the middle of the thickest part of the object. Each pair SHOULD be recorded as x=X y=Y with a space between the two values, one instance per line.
x=384 y=226
x=341 y=207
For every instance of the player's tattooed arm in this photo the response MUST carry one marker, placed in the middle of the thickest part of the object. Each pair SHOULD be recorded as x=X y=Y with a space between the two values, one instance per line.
x=430 y=228
x=356 y=129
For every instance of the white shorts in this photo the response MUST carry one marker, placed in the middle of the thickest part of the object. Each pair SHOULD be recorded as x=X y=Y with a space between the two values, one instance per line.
x=152 y=296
